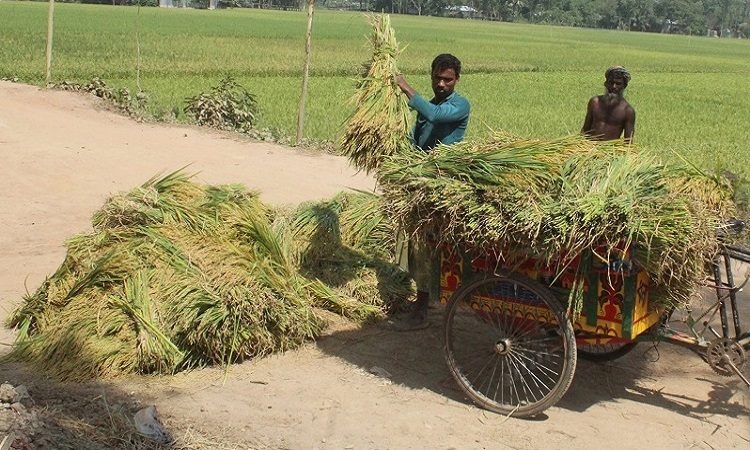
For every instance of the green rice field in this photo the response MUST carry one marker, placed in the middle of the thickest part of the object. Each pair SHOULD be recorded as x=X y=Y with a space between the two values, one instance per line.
x=691 y=94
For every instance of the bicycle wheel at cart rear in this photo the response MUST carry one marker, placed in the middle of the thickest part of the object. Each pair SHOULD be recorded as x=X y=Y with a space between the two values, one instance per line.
x=509 y=344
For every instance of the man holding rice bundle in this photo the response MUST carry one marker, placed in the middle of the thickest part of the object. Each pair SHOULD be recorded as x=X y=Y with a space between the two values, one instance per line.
x=442 y=120
x=610 y=116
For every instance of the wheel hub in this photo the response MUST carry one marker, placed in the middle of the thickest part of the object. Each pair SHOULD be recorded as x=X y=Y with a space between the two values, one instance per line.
x=502 y=347
x=723 y=351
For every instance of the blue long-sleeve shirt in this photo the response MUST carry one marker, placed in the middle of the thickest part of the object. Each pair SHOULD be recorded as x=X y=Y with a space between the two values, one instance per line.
x=441 y=123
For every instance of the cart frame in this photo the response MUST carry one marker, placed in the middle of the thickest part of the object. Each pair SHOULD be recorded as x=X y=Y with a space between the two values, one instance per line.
x=511 y=345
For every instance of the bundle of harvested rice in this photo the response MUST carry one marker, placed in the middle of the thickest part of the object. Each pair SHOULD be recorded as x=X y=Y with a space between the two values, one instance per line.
x=346 y=242
x=556 y=200
x=175 y=275
x=351 y=219
x=379 y=125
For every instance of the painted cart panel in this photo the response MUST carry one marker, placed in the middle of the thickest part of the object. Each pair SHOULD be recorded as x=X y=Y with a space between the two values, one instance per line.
x=617 y=309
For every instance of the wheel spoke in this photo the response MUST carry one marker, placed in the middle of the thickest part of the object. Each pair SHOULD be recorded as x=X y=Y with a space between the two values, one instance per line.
x=544 y=369
x=480 y=372
x=527 y=389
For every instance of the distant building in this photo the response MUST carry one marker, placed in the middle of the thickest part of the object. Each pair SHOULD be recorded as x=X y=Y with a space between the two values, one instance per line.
x=197 y=4
x=465 y=12
x=672 y=27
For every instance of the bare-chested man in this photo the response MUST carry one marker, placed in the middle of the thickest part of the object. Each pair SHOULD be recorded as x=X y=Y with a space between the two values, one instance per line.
x=610 y=116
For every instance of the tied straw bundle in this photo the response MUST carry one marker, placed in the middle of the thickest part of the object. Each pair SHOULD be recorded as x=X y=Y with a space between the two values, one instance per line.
x=379 y=125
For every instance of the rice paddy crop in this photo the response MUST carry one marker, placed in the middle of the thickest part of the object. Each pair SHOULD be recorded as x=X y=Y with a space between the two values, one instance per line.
x=378 y=126
x=530 y=80
x=161 y=285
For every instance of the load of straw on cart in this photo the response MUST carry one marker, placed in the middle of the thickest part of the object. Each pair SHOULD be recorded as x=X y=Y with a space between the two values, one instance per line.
x=549 y=208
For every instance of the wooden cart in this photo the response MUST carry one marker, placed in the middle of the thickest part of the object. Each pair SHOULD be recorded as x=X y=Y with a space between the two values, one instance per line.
x=509 y=340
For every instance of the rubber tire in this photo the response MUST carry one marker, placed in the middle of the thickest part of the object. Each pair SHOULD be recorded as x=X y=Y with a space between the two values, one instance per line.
x=604 y=352
x=560 y=336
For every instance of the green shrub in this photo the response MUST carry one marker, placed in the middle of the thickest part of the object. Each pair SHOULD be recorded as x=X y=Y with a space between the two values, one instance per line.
x=227 y=107
x=122 y=99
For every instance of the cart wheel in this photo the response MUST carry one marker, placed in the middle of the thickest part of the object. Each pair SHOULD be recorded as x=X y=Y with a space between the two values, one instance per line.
x=604 y=352
x=509 y=344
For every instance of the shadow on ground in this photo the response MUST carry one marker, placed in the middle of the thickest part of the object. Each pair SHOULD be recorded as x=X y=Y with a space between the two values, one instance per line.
x=415 y=359
x=656 y=376
x=80 y=416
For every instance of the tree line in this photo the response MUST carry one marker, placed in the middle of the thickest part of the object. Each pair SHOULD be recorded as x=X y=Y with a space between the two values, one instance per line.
x=722 y=18
x=728 y=18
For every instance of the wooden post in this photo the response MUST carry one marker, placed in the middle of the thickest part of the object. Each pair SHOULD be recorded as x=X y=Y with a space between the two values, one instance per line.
x=305 y=74
x=138 y=48
x=50 y=28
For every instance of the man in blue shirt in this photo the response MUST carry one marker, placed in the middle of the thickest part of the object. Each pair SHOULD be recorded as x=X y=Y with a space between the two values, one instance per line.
x=442 y=120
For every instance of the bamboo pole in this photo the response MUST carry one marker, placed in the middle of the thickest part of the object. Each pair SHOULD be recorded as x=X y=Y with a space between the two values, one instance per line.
x=138 y=49
x=50 y=28
x=305 y=74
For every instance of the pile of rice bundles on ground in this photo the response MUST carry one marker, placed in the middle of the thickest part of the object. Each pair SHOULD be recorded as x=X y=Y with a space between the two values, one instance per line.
x=178 y=275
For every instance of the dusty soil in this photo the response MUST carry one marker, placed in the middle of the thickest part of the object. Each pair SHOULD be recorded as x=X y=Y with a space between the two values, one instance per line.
x=359 y=388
